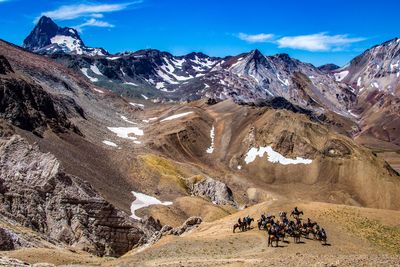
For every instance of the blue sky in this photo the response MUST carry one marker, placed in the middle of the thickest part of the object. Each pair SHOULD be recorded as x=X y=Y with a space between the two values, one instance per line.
x=313 y=31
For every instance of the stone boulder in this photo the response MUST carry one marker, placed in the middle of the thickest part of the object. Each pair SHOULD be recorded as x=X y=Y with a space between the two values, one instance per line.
x=216 y=191
x=190 y=224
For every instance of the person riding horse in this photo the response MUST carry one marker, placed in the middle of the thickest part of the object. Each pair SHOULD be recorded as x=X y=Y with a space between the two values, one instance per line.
x=247 y=222
x=296 y=213
x=240 y=224
x=321 y=235
x=272 y=235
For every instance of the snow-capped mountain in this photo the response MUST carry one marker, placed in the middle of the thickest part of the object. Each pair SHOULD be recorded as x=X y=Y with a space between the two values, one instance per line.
x=48 y=38
x=378 y=68
x=248 y=77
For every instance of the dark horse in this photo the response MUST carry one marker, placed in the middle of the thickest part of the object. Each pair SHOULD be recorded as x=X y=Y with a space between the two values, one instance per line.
x=247 y=221
x=321 y=236
x=296 y=236
x=241 y=226
x=273 y=238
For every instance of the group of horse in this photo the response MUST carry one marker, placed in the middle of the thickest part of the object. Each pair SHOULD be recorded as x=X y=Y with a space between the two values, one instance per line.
x=279 y=229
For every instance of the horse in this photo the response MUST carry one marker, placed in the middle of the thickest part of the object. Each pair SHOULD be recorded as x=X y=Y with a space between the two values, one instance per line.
x=296 y=236
x=321 y=236
x=247 y=223
x=241 y=226
x=273 y=238
x=261 y=224
x=304 y=231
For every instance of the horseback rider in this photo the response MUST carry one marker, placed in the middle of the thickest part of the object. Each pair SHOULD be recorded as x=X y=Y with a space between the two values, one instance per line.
x=296 y=213
x=322 y=233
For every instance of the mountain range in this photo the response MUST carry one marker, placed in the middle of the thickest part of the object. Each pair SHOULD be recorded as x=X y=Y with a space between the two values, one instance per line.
x=369 y=82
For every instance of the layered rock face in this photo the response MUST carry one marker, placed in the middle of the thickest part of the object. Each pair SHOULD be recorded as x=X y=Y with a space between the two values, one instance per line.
x=218 y=192
x=35 y=192
x=25 y=104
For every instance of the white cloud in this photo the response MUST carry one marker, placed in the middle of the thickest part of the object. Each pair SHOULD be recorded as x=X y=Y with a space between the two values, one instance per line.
x=93 y=23
x=317 y=42
x=68 y=12
x=256 y=38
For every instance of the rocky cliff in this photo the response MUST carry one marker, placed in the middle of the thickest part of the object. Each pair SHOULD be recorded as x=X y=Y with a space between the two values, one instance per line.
x=37 y=193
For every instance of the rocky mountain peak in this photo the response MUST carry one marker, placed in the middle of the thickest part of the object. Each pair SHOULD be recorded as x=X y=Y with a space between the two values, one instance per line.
x=256 y=54
x=46 y=23
x=193 y=55
x=48 y=38
x=328 y=68
x=41 y=34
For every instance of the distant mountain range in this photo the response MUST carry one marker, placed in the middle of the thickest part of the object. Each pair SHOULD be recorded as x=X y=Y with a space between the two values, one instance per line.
x=247 y=78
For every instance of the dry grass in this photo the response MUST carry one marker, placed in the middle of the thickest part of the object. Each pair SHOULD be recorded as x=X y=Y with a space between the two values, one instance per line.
x=152 y=167
x=384 y=236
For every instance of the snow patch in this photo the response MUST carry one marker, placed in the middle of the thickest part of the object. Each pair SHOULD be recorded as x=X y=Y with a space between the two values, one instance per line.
x=149 y=120
x=341 y=75
x=96 y=70
x=130 y=83
x=98 y=91
x=145 y=97
x=136 y=104
x=210 y=150
x=68 y=42
x=273 y=156
x=375 y=84
x=160 y=85
x=126 y=119
x=124 y=132
x=109 y=143
x=284 y=82
x=85 y=72
x=359 y=81
x=176 y=116
x=113 y=58
x=142 y=201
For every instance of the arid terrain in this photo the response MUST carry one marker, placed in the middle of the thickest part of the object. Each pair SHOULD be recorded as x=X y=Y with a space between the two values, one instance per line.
x=127 y=161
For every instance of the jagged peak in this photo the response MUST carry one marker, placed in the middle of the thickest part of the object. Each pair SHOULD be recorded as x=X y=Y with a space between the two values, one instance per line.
x=255 y=53
x=192 y=55
x=44 y=20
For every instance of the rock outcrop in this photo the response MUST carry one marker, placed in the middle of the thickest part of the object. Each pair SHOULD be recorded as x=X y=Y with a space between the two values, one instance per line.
x=190 y=224
x=28 y=106
x=5 y=66
x=216 y=191
x=37 y=193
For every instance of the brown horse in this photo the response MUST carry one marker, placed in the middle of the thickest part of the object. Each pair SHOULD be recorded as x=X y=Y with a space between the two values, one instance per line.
x=296 y=236
x=241 y=226
x=273 y=238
